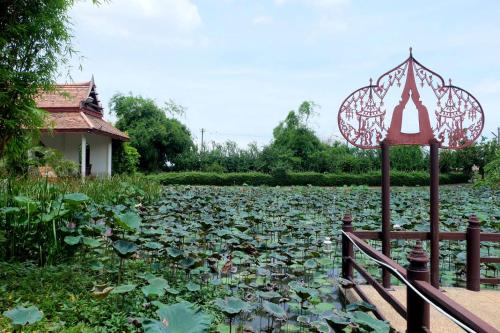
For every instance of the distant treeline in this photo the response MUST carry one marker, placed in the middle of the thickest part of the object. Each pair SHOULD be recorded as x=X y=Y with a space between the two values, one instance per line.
x=165 y=144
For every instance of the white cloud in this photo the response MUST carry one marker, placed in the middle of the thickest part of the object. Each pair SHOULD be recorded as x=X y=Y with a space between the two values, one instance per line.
x=163 y=22
x=263 y=19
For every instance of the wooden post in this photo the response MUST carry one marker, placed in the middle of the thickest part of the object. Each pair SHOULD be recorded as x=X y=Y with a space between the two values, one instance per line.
x=473 y=254
x=347 y=250
x=386 y=210
x=417 y=309
x=434 y=212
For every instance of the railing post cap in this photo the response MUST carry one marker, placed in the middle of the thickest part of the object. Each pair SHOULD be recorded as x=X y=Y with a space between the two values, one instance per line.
x=347 y=219
x=473 y=221
x=418 y=255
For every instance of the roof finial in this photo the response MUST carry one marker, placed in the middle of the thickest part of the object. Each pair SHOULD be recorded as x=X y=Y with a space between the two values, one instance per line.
x=371 y=81
x=411 y=51
x=449 y=80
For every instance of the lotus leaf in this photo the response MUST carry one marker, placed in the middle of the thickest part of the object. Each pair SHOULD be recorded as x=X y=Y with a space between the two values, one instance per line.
x=191 y=286
x=269 y=294
x=156 y=287
x=124 y=248
x=370 y=323
x=124 y=288
x=361 y=305
x=23 y=316
x=310 y=264
x=75 y=198
x=320 y=327
x=129 y=221
x=303 y=292
x=337 y=323
x=274 y=310
x=72 y=240
x=153 y=245
x=26 y=202
x=178 y=318
x=231 y=305
x=91 y=242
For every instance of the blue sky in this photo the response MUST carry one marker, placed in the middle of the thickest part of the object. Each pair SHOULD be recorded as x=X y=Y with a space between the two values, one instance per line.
x=239 y=66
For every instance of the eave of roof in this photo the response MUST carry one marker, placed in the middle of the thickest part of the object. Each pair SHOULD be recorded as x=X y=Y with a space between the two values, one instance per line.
x=82 y=122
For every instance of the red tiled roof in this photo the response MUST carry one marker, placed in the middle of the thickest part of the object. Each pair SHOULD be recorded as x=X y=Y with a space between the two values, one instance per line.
x=65 y=96
x=82 y=122
x=100 y=125
x=68 y=113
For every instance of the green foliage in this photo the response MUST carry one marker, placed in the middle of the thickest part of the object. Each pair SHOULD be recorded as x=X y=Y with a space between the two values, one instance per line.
x=125 y=159
x=492 y=173
x=47 y=222
x=30 y=157
x=478 y=154
x=186 y=237
x=283 y=178
x=294 y=141
x=158 y=139
x=35 y=39
x=408 y=158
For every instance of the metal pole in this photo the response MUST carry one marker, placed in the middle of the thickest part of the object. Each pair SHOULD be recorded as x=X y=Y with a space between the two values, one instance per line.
x=417 y=309
x=473 y=254
x=386 y=210
x=347 y=250
x=434 y=212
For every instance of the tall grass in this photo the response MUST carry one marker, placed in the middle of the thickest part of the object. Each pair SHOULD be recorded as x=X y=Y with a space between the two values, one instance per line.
x=101 y=191
x=35 y=215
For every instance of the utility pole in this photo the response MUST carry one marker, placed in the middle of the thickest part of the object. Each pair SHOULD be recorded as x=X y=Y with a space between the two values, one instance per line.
x=202 y=144
x=497 y=136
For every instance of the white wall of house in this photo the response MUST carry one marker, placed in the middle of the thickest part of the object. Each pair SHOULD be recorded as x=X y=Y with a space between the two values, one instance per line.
x=99 y=145
x=69 y=145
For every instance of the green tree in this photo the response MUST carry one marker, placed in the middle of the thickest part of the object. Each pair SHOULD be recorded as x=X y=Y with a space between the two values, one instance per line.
x=408 y=158
x=492 y=173
x=35 y=38
x=125 y=158
x=478 y=154
x=294 y=142
x=158 y=139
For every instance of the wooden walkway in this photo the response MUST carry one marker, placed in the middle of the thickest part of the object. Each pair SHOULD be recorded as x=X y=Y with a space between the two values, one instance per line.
x=484 y=304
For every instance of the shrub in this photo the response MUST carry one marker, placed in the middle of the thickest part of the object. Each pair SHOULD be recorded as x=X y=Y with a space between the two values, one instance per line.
x=125 y=158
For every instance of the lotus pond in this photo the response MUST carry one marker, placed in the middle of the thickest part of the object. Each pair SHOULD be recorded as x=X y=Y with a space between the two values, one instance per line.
x=232 y=259
x=280 y=272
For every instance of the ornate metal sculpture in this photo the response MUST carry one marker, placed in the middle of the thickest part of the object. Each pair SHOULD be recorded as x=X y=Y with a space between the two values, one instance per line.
x=458 y=116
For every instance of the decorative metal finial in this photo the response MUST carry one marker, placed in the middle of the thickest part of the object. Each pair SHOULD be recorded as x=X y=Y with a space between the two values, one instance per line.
x=411 y=51
x=371 y=81
x=449 y=80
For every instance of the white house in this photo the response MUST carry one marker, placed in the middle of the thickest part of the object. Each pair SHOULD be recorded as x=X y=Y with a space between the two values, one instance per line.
x=76 y=121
